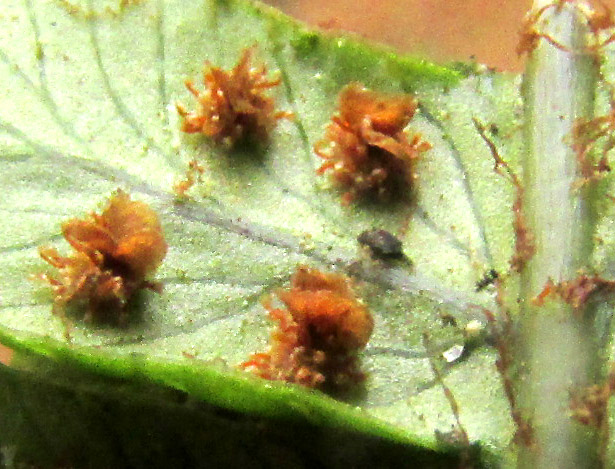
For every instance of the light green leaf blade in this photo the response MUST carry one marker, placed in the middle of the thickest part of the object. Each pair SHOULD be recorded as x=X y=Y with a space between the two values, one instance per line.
x=89 y=107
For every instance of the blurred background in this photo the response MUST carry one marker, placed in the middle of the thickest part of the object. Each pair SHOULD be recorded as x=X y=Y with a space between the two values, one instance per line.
x=440 y=30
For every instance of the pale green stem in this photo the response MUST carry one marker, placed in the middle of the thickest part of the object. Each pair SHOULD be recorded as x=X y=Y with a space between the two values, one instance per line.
x=557 y=348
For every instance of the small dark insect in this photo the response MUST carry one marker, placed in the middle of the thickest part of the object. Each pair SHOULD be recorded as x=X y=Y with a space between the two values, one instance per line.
x=382 y=244
x=487 y=280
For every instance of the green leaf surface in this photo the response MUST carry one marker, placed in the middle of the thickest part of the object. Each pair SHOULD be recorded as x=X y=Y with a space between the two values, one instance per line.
x=88 y=105
x=102 y=422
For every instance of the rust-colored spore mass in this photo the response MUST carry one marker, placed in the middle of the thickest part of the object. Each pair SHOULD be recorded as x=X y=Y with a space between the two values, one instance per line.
x=365 y=146
x=114 y=253
x=318 y=335
x=233 y=104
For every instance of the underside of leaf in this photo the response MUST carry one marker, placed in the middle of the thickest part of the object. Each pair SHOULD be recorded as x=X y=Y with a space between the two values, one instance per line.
x=91 y=89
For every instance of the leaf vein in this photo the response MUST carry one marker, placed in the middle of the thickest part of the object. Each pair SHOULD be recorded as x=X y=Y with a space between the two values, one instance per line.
x=44 y=91
x=160 y=50
x=478 y=219
x=122 y=110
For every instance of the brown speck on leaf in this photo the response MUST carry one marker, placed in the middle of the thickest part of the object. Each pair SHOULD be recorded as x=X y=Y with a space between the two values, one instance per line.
x=114 y=253
x=489 y=278
x=109 y=11
x=319 y=333
x=234 y=104
x=193 y=175
x=365 y=146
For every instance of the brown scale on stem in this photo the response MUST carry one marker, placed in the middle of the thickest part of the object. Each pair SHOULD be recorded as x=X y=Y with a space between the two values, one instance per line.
x=589 y=407
x=319 y=333
x=597 y=22
x=524 y=239
x=502 y=337
x=233 y=104
x=530 y=35
x=575 y=292
x=113 y=254
x=365 y=146
x=585 y=134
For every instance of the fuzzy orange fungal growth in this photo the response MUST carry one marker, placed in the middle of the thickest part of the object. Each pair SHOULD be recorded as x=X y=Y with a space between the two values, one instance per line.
x=114 y=253
x=318 y=335
x=233 y=104
x=365 y=146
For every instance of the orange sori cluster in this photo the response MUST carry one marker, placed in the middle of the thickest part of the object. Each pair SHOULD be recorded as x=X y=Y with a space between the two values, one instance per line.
x=319 y=333
x=233 y=104
x=114 y=253
x=365 y=145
